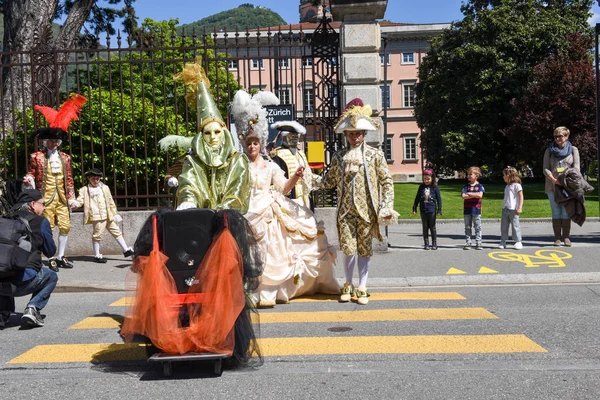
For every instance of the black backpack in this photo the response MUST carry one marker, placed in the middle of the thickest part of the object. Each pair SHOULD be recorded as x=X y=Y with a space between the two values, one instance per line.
x=15 y=245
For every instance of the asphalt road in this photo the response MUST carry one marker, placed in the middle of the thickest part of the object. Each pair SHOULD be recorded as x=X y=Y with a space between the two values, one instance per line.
x=481 y=342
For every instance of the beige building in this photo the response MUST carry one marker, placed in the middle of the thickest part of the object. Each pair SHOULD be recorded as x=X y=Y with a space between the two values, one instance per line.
x=287 y=71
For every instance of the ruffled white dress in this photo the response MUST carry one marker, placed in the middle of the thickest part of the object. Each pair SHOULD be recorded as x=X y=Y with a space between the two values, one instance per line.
x=298 y=258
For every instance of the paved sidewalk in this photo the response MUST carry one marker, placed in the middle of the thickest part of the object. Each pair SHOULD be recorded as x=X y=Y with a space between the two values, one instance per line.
x=406 y=264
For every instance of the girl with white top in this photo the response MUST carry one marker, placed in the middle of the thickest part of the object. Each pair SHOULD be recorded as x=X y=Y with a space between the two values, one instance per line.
x=512 y=207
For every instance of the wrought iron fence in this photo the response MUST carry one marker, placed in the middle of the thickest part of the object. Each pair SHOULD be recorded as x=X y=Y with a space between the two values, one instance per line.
x=133 y=100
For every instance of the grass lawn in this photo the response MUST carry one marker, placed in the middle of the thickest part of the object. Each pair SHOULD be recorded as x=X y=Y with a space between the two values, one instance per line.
x=536 y=204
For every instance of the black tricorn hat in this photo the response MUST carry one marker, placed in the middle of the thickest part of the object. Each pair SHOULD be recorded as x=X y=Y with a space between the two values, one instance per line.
x=50 y=133
x=94 y=172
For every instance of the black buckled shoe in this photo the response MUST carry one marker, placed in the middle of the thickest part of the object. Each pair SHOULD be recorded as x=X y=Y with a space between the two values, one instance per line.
x=100 y=260
x=128 y=253
x=64 y=263
x=53 y=264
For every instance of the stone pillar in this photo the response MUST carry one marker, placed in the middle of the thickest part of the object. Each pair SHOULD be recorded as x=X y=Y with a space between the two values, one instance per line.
x=360 y=41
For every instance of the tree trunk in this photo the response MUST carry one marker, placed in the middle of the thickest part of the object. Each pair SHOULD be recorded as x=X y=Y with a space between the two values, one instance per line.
x=28 y=27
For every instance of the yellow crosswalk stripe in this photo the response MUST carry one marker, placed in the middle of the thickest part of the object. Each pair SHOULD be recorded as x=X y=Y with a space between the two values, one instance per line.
x=376 y=296
x=399 y=314
x=96 y=352
x=434 y=344
x=104 y=322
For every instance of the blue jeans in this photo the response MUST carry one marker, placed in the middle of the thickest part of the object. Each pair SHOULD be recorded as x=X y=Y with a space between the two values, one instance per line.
x=470 y=221
x=40 y=287
x=558 y=211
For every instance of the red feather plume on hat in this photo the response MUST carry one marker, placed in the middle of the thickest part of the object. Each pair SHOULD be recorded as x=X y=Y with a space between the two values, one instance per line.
x=68 y=112
x=353 y=103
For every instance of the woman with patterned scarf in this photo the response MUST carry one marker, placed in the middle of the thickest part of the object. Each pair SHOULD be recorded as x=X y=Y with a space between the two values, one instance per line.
x=559 y=156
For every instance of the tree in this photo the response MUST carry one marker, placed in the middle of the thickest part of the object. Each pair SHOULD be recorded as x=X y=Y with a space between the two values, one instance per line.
x=125 y=121
x=474 y=69
x=28 y=27
x=562 y=93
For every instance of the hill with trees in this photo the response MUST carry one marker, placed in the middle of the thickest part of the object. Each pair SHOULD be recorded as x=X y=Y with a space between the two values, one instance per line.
x=246 y=16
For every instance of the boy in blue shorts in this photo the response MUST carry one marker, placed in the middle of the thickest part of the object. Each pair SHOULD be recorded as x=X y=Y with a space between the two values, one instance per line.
x=472 y=194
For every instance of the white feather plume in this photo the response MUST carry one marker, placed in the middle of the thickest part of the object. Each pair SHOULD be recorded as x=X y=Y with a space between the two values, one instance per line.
x=266 y=98
x=181 y=142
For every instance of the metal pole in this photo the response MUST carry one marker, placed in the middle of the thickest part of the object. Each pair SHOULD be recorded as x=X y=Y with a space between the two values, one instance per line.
x=386 y=95
x=597 y=68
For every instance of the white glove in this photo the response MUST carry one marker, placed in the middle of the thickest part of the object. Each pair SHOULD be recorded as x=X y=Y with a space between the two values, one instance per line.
x=29 y=182
x=73 y=204
x=173 y=182
x=118 y=218
x=186 y=205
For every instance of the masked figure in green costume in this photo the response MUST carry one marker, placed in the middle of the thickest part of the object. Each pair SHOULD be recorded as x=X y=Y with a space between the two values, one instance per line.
x=215 y=174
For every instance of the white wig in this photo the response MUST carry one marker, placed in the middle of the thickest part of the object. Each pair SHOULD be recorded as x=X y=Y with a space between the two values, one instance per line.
x=250 y=115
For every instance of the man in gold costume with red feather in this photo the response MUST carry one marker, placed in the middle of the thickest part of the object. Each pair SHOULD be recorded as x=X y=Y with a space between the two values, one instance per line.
x=50 y=172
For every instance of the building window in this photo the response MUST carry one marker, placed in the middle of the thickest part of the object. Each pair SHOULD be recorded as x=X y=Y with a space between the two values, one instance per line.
x=283 y=63
x=386 y=98
x=410 y=148
x=387 y=59
x=332 y=61
x=332 y=94
x=408 y=58
x=308 y=96
x=256 y=88
x=389 y=141
x=285 y=95
x=307 y=62
x=232 y=65
x=408 y=94
x=257 y=64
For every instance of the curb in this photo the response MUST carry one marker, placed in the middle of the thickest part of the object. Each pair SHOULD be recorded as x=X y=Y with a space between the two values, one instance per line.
x=408 y=282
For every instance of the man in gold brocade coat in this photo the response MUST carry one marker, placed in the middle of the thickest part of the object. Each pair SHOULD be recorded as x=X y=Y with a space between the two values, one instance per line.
x=50 y=172
x=365 y=195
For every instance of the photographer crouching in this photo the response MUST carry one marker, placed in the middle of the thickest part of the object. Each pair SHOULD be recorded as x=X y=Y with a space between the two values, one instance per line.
x=24 y=236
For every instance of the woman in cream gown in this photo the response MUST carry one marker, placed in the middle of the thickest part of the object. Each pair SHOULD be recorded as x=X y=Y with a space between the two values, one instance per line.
x=298 y=260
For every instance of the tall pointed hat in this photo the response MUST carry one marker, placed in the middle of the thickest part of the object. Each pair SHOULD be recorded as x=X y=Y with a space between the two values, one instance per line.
x=198 y=95
x=197 y=84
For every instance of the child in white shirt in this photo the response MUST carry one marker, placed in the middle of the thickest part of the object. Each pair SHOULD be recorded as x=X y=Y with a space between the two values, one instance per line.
x=511 y=208
x=100 y=210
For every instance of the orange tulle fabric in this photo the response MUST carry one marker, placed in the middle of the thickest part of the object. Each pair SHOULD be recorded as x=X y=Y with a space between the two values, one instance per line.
x=214 y=301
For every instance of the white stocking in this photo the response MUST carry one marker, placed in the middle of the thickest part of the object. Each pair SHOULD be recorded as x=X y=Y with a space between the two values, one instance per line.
x=62 y=243
x=363 y=270
x=123 y=244
x=96 y=246
x=349 y=262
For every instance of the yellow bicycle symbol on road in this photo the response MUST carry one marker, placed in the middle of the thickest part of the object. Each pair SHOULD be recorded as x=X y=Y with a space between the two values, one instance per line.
x=551 y=258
